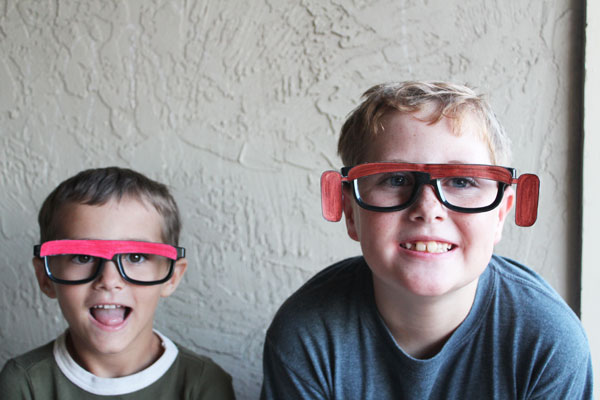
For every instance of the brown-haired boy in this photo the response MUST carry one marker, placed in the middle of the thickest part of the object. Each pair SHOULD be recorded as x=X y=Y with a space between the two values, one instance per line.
x=427 y=312
x=108 y=253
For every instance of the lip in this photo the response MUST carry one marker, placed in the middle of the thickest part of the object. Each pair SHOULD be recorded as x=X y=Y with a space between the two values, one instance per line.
x=112 y=327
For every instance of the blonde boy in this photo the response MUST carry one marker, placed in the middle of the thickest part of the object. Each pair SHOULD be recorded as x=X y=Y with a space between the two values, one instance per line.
x=108 y=253
x=427 y=311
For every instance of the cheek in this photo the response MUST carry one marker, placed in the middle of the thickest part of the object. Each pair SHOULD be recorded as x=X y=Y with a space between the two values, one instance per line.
x=479 y=232
x=369 y=224
x=379 y=230
x=70 y=300
x=67 y=294
x=148 y=296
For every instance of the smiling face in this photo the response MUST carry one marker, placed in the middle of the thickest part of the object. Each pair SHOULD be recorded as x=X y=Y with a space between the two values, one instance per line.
x=426 y=249
x=108 y=317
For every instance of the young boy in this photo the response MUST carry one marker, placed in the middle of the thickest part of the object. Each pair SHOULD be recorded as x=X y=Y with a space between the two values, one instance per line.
x=427 y=312
x=108 y=252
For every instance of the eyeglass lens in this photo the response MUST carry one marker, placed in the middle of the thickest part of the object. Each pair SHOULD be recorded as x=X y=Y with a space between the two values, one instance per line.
x=392 y=189
x=139 y=267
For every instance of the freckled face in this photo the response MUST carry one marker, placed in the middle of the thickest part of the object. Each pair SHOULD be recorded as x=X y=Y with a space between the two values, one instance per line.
x=458 y=246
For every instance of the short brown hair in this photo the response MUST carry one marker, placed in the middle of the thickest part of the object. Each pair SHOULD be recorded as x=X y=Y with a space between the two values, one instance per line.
x=98 y=186
x=451 y=100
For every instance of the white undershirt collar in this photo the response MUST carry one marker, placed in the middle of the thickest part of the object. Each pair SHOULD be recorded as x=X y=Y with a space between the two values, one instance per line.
x=113 y=386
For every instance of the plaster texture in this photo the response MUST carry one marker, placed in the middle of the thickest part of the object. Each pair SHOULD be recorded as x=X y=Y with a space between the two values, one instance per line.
x=590 y=297
x=237 y=106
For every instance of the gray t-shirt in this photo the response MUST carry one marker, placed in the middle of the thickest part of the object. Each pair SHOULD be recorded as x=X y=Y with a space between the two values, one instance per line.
x=519 y=341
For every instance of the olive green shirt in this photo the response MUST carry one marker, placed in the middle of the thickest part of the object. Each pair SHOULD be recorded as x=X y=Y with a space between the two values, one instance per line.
x=49 y=372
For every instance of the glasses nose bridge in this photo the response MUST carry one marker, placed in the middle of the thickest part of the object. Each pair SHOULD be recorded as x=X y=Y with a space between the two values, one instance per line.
x=103 y=261
x=424 y=178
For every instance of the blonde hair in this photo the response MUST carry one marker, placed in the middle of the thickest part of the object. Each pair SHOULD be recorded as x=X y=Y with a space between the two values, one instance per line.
x=449 y=100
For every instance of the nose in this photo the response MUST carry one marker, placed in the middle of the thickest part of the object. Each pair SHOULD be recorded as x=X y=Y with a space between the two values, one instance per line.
x=109 y=278
x=427 y=207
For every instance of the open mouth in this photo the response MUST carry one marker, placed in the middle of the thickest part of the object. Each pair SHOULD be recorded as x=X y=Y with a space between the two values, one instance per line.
x=428 y=247
x=110 y=314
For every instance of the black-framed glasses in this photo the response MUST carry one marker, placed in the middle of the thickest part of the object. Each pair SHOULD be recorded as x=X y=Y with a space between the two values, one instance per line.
x=74 y=262
x=466 y=188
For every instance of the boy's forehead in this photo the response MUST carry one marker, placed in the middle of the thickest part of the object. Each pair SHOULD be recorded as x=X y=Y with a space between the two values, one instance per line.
x=127 y=218
x=431 y=113
x=462 y=122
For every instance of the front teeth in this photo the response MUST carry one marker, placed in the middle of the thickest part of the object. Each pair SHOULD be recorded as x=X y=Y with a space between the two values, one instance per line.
x=107 y=306
x=428 y=247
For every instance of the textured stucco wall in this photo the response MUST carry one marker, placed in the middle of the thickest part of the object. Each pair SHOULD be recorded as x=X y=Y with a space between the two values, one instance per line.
x=237 y=105
x=590 y=296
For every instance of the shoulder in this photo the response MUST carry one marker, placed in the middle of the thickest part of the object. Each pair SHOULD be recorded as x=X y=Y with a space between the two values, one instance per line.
x=316 y=327
x=538 y=324
x=521 y=275
x=18 y=374
x=520 y=286
x=531 y=298
x=341 y=279
x=209 y=379
x=34 y=359
x=326 y=296
x=335 y=277
x=200 y=365
x=322 y=312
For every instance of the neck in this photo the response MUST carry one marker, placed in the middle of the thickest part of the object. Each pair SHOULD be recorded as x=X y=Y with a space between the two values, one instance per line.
x=123 y=363
x=422 y=325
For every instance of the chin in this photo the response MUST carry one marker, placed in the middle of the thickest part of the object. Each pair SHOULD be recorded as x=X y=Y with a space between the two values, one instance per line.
x=427 y=289
x=429 y=283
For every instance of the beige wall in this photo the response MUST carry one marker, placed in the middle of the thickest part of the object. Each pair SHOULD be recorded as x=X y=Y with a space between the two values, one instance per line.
x=590 y=296
x=237 y=105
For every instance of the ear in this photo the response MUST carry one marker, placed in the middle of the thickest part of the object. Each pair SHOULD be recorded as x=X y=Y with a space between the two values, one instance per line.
x=169 y=286
x=349 y=213
x=508 y=201
x=45 y=284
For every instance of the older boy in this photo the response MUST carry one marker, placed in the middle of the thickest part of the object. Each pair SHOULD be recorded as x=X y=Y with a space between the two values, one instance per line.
x=428 y=312
x=108 y=253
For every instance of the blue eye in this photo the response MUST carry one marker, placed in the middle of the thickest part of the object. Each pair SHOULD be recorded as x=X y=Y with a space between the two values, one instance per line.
x=461 y=182
x=395 y=180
